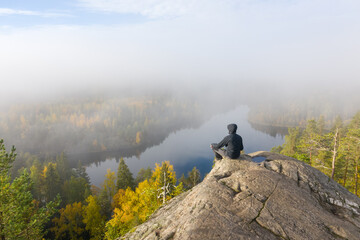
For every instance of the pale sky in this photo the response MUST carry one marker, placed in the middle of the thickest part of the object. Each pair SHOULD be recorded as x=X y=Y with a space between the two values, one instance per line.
x=53 y=47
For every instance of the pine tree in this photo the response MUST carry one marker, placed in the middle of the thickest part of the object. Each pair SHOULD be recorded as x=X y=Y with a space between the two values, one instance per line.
x=20 y=215
x=50 y=182
x=353 y=139
x=144 y=174
x=76 y=189
x=336 y=153
x=80 y=171
x=194 y=177
x=184 y=181
x=63 y=167
x=310 y=140
x=35 y=175
x=321 y=125
x=124 y=176
x=291 y=142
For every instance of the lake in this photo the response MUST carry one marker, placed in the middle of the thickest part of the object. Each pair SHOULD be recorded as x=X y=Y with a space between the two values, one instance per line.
x=191 y=147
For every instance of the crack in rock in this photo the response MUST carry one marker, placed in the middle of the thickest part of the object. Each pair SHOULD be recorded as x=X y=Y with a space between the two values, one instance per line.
x=287 y=238
x=264 y=203
x=223 y=175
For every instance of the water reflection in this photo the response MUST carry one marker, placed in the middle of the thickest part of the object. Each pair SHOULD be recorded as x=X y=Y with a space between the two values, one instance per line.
x=188 y=147
x=271 y=130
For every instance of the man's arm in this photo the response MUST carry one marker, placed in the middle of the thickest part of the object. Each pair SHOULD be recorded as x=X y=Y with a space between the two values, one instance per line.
x=221 y=144
x=241 y=144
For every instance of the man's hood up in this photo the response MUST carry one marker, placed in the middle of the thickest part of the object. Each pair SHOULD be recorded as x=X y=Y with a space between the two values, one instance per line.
x=232 y=128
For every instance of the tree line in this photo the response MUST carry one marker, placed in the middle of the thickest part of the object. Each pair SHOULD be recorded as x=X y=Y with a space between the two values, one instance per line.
x=334 y=151
x=96 y=124
x=290 y=109
x=51 y=200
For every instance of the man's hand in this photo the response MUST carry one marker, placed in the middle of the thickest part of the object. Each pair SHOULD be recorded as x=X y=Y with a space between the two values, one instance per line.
x=211 y=146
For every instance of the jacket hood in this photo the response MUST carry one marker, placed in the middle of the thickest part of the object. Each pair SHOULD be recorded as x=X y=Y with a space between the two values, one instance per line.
x=232 y=128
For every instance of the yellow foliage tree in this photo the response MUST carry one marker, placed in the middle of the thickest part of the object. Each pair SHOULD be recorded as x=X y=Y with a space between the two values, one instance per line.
x=109 y=186
x=124 y=217
x=134 y=207
x=147 y=200
x=69 y=225
x=138 y=137
x=164 y=175
x=95 y=222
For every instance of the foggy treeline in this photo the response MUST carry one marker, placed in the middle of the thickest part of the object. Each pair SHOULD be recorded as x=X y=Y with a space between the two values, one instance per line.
x=96 y=124
x=112 y=123
x=291 y=110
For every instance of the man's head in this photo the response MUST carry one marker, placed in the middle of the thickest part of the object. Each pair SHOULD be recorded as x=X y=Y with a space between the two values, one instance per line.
x=232 y=128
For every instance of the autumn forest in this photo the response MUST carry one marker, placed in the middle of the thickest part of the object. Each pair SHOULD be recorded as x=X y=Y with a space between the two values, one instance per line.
x=44 y=195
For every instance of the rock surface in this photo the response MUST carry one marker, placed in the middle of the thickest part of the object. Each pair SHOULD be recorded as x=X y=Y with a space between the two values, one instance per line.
x=279 y=198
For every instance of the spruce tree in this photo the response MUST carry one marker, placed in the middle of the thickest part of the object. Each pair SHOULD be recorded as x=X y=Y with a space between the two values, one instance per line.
x=194 y=177
x=20 y=215
x=144 y=174
x=80 y=172
x=124 y=176
x=51 y=182
x=184 y=181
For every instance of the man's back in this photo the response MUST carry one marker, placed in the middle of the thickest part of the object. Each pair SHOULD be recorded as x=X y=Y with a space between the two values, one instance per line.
x=232 y=142
x=234 y=146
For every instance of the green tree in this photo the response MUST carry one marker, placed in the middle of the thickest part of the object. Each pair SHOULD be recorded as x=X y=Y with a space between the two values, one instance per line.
x=105 y=204
x=338 y=123
x=194 y=177
x=143 y=174
x=80 y=171
x=310 y=139
x=336 y=152
x=184 y=181
x=76 y=189
x=35 y=175
x=20 y=215
x=124 y=176
x=321 y=125
x=291 y=142
x=353 y=141
x=107 y=193
x=63 y=167
x=345 y=155
x=276 y=149
x=50 y=182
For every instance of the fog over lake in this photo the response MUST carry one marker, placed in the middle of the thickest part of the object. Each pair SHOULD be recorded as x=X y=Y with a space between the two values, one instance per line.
x=190 y=147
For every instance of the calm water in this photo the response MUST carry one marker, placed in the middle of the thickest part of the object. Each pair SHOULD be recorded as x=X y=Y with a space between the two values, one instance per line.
x=190 y=147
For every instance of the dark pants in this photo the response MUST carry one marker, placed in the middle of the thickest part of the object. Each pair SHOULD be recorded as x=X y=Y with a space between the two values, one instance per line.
x=220 y=153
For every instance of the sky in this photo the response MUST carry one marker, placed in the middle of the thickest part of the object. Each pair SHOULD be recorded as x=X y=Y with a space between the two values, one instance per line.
x=54 y=48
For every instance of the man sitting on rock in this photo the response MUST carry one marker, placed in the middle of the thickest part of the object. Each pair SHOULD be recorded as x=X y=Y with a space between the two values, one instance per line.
x=232 y=142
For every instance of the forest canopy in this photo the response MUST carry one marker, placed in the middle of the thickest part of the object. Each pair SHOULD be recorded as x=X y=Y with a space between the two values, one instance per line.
x=335 y=152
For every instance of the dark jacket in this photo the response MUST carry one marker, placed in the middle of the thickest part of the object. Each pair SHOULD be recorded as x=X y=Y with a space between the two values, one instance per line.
x=232 y=142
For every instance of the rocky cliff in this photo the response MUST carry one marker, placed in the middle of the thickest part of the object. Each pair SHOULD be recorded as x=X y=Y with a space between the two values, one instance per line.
x=279 y=198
